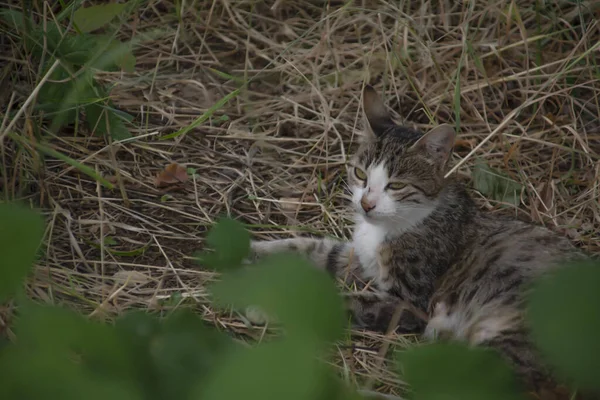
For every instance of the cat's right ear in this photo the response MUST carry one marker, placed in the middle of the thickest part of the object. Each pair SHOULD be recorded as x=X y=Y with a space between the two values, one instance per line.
x=437 y=144
x=377 y=115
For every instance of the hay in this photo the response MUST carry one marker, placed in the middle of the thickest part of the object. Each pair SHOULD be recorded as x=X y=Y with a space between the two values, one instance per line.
x=523 y=78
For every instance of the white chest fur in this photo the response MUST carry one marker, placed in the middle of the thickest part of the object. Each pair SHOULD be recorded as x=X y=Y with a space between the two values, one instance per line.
x=366 y=241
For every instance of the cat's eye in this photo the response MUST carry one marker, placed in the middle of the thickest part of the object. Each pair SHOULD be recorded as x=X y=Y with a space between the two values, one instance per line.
x=360 y=174
x=396 y=186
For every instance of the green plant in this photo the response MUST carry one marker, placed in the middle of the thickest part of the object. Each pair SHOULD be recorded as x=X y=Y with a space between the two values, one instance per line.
x=68 y=59
x=496 y=185
x=61 y=354
x=565 y=318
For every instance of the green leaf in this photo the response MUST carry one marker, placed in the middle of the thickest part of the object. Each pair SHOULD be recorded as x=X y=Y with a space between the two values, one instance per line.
x=71 y=49
x=204 y=117
x=61 y=98
x=123 y=115
x=66 y=356
x=280 y=370
x=496 y=185
x=30 y=375
x=173 y=355
x=77 y=49
x=185 y=352
x=454 y=371
x=103 y=120
x=231 y=242
x=70 y=97
x=65 y=331
x=91 y=18
x=21 y=232
x=565 y=321
x=126 y=60
x=110 y=241
x=13 y=18
x=138 y=330
x=287 y=287
x=101 y=52
x=111 y=55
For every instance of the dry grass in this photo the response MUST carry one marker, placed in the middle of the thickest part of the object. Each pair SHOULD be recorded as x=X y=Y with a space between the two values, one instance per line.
x=525 y=82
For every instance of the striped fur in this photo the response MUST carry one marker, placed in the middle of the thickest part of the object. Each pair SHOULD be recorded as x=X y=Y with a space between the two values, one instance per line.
x=420 y=241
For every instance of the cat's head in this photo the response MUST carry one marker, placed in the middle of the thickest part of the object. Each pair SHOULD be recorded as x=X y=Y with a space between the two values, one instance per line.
x=397 y=174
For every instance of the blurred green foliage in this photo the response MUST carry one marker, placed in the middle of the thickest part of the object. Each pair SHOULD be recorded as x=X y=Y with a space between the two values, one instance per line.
x=454 y=371
x=20 y=233
x=565 y=321
x=230 y=243
x=61 y=354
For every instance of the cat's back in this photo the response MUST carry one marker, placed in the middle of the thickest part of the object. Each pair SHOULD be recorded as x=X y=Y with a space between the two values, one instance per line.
x=481 y=294
x=504 y=256
x=514 y=244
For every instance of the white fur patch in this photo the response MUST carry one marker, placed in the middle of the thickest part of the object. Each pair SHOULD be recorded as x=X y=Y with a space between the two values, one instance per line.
x=378 y=178
x=366 y=241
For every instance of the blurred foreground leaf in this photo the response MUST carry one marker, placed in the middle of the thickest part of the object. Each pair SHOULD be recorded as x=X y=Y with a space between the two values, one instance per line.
x=443 y=371
x=66 y=356
x=185 y=352
x=139 y=357
x=305 y=300
x=230 y=242
x=21 y=231
x=279 y=370
x=173 y=355
x=564 y=312
x=28 y=375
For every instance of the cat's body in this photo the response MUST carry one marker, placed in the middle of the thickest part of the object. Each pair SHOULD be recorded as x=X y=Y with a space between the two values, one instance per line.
x=420 y=239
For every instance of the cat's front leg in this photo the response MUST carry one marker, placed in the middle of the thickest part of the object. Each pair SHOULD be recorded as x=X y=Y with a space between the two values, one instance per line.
x=328 y=254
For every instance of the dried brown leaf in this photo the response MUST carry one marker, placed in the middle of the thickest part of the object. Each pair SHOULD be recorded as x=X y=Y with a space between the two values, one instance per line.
x=173 y=173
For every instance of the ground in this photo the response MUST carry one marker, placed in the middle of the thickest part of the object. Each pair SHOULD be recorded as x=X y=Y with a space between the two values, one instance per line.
x=519 y=80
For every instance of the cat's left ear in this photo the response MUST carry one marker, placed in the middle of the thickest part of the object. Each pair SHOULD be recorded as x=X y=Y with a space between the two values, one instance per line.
x=378 y=118
x=437 y=143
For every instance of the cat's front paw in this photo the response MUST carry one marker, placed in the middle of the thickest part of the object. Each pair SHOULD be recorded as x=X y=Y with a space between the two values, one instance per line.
x=259 y=249
x=256 y=251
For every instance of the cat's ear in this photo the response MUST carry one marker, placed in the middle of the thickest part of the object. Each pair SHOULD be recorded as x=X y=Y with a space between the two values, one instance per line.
x=437 y=143
x=377 y=115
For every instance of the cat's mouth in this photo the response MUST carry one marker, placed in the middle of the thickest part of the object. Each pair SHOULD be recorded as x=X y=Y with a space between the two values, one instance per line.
x=373 y=216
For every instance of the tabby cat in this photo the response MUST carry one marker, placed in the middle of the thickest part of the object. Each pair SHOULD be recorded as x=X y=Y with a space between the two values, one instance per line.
x=420 y=240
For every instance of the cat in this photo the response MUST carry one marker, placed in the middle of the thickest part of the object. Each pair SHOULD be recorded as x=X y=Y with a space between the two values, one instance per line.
x=420 y=240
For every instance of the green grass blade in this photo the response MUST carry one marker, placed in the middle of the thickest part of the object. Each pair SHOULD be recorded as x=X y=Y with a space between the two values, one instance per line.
x=74 y=163
x=218 y=105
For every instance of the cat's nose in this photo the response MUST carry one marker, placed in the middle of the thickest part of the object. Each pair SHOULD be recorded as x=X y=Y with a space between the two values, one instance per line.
x=367 y=205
